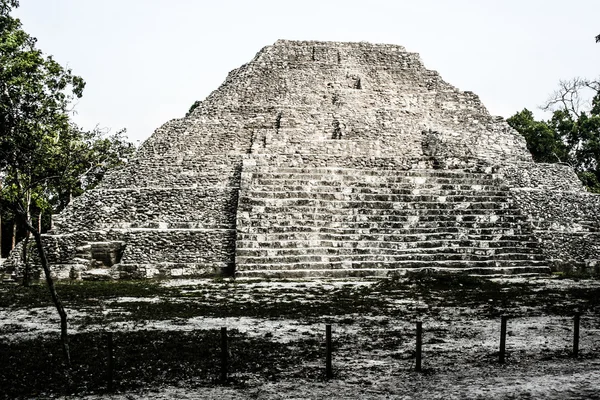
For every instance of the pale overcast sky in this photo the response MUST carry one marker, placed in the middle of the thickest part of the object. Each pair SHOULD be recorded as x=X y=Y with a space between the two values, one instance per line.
x=147 y=61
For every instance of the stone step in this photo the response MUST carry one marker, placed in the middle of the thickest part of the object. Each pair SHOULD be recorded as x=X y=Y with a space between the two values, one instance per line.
x=366 y=171
x=172 y=270
x=7 y=279
x=391 y=241
x=389 y=221
x=397 y=182
x=275 y=206
x=418 y=233
x=373 y=216
x=432 y=190
x=379 y=272
x=295 y=220
x=134 y=224
x=268 y=252
x=339 y=171
x=419 y=227
x=258 y=197
x=356 y=178
x=392 y=264
x=375 y=257
x=98 y=274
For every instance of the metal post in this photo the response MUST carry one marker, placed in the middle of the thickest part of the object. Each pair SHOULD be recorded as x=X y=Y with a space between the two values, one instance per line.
x=110 y=364
x=328 y=367
x=224 y=355
x=503 y=339
x=419 y=346
x=576 y=322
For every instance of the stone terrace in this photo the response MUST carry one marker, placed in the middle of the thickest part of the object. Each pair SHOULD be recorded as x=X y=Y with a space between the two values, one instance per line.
x=326 y=158
x=332 y=220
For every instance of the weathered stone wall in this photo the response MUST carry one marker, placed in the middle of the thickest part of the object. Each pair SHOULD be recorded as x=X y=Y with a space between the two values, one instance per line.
x=399 y=163
x=179 y=246
x=143 y=253
x=64 y=253
x=571 y=250
x=311 y=92
x=552 y=177
x=175 y=172
x=203 y=207
x=562 y=211
x=565 y=218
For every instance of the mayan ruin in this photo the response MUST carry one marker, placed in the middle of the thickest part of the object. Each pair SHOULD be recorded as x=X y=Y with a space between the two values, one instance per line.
x=329 y=159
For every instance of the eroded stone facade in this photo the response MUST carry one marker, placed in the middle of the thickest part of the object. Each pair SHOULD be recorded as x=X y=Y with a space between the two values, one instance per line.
x=329 y=158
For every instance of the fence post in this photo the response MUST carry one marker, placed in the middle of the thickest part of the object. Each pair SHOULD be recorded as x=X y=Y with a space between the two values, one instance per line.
x=502 y=339
x=328 y=366
x=419 y=345
x=224 y=355
x=110 y=364
x=576 y=321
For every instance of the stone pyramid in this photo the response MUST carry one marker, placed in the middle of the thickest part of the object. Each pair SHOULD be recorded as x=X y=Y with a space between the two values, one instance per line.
x=326 y=158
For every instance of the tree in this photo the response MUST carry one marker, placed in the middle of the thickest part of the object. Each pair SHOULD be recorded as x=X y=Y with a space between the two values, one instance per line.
x=83 y=157
x=195 y=105
x=44 y=159
x=542 y=141
x=598 y=39
x=35 y=93
x=80 y=160
x=572 y=134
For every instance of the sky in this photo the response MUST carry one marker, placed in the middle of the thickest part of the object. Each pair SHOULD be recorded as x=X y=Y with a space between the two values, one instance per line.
x=146 y=61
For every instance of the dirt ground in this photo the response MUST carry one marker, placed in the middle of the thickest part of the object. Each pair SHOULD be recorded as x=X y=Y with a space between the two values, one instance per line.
x=373 y=324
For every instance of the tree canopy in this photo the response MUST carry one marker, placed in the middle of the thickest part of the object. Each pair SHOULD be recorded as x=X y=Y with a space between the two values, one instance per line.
x=35 y=95
x=572 y=134
x=44 y=158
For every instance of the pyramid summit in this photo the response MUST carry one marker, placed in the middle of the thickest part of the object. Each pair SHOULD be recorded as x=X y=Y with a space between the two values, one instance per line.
x=328 y=158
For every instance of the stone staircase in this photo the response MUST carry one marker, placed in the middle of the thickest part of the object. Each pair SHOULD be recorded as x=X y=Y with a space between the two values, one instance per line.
x=334 y=221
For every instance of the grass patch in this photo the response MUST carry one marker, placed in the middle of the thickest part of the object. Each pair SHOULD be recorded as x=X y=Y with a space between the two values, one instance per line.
x=577 y=274
x=148 y=358
x=152 y=358
x=79 y=292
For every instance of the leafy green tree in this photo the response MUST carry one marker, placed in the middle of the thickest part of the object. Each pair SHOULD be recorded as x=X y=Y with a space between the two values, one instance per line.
x=35 y=93
x=543 y=142
x=44 y=158
x=572 y=134
x=195 y=105
x=83 y=157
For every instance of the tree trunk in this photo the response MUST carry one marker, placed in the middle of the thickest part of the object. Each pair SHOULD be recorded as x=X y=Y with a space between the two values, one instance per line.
x=14 y=236
x=26 y=268
x=55 y=299
x=0 y=233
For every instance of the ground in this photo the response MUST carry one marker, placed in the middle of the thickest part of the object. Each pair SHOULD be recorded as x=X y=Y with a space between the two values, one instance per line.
x=167 y=338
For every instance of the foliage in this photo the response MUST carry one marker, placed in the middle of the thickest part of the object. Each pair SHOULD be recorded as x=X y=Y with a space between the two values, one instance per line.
x=83 y=157
x=44 y=158
x=42 y=155
x=193 y=107
x=572 y=134
x=35 y=93
x=542 y=141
